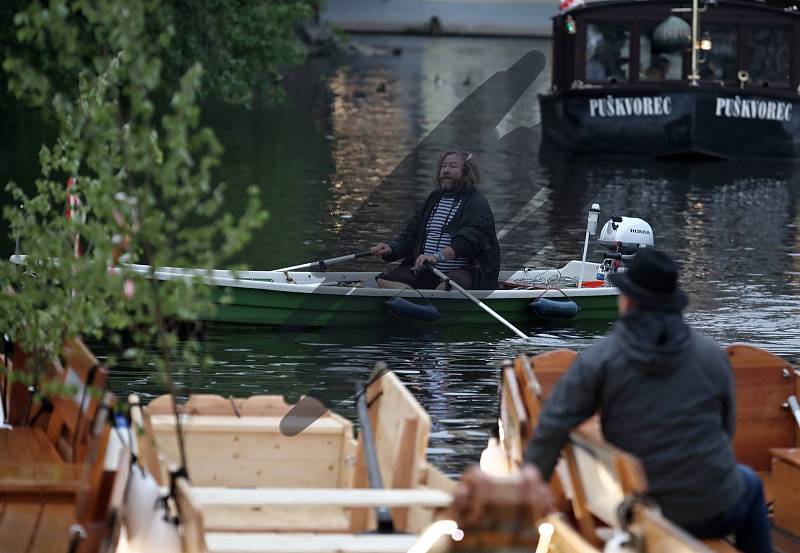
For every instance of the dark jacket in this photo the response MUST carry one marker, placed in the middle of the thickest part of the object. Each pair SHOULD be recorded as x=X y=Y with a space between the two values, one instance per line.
x=666 y=395
x=473 y=237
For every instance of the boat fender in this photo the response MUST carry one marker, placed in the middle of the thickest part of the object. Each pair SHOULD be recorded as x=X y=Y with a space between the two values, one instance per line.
x=405 y=309
x=560 y=310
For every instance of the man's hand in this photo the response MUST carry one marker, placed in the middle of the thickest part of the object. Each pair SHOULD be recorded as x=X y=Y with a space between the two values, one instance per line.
x=479 y=496
x=422 y=259
x=381 y=249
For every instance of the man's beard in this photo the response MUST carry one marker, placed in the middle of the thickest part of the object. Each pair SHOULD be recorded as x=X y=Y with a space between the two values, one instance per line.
x=451 y=185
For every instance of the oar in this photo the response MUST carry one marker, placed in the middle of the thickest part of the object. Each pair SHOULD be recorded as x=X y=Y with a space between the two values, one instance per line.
x=382 y=514
x=476 y=301
x=322 y=264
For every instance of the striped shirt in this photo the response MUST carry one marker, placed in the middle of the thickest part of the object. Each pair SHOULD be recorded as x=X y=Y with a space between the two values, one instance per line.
x=436 y=239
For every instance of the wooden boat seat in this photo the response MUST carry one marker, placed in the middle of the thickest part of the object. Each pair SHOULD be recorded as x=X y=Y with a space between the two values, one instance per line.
x=301 y=509
x=265 y=542
x=764 y=381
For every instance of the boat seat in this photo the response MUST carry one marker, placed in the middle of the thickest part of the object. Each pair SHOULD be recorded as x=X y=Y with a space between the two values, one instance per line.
x=265 y=542
x=198 y=537
x=309 y=497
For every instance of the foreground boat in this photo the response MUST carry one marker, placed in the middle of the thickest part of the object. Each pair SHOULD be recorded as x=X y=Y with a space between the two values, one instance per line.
x=599 y=478
x=267 y=476
x=629 y=78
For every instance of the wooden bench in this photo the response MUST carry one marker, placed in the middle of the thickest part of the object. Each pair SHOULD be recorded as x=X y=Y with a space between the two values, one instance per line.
x=53 y=476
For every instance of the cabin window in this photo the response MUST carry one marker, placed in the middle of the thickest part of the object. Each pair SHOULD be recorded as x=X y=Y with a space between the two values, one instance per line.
x=659 y=59
x=768 y=55
x=607 y=51
x=719 y=63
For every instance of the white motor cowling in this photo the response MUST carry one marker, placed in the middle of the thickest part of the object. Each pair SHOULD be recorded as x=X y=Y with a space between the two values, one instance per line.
x=626 y=235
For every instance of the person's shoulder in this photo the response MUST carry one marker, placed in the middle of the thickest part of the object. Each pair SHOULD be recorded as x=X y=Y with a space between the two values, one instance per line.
x=709 y=350
x=599 y=352
x=476 y=198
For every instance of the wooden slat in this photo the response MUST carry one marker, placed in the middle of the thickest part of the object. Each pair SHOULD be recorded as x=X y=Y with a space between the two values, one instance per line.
x=565 y=538
x=26 y=445
x=43 y=479
x=191 y=518
x=661 y=536
x=402 y=469
x=275 y=519
x=255 y=497
x=52 y=534
x=18 y=526
x=514 y=418
x=223 y=424
x=308 y=543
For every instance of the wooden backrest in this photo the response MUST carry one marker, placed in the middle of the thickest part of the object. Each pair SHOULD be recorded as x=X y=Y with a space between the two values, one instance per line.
x=525 y=385
x=601 y=475
x=549 y=366
x=73 y=416
x=764 y=381
x=252 y=450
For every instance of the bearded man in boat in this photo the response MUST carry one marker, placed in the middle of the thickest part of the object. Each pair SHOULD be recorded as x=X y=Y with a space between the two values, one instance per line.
x=454 y=230
x=665 y=393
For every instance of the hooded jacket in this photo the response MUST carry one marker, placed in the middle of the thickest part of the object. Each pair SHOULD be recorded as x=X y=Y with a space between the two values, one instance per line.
x=473 y=237
x=666 y=395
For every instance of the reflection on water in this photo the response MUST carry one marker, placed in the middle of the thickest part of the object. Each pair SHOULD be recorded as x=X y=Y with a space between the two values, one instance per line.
x=320 y=161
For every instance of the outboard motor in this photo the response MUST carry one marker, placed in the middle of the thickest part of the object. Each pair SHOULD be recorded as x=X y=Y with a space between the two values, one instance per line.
x=624 y=236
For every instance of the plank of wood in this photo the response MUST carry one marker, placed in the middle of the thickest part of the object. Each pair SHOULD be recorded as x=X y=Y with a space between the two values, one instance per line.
x=275 y=519
x=18 y=526
x=308 y=543
x=661 y=536
x=402 y=475
x=565 y=538
x=26 y=445
x=230 y=497
x=52 y=534
x=789 y=455
x=222 y=424
x=41 y=478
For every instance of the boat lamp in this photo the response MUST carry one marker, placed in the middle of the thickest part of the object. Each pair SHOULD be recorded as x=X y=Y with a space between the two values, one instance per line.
x=591 y=223
x=569 y=24
x=705 y=42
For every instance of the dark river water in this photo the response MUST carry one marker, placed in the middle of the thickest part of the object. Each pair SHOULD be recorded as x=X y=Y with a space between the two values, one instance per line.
x=342 y=163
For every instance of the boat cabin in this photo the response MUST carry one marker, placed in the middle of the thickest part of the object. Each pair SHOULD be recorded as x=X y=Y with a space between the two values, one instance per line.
x=648 y=43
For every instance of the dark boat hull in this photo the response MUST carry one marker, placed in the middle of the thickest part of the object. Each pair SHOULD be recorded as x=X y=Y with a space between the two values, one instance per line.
x=723 y=122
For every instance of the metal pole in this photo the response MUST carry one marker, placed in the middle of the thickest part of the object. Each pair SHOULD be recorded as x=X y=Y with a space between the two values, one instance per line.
x=478 y=302
x=583 y=259
x=694 y=77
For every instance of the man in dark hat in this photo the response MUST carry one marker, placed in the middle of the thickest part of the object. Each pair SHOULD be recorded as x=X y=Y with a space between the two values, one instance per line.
x=665 y=394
